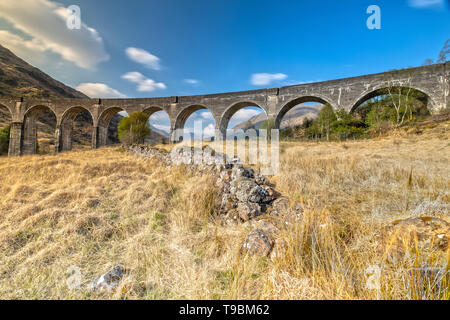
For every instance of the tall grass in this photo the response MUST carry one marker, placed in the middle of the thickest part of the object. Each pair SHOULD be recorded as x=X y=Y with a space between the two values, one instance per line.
x=95 y=209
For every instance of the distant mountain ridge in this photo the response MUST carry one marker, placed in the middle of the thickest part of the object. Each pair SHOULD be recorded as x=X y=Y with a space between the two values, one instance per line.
x=294 y=117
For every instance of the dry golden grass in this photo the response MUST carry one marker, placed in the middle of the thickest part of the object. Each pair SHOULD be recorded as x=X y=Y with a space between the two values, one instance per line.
x=95 y=209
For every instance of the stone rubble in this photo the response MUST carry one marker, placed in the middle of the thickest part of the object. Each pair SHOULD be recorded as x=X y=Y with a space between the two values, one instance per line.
x=245 y=194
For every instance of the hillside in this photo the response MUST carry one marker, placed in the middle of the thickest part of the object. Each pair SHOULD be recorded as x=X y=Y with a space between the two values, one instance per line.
x=294 y=117
x=20 y=79
x=160 y=223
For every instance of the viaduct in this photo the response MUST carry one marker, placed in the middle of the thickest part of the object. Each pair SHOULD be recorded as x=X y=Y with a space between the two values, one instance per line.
x=433 y=82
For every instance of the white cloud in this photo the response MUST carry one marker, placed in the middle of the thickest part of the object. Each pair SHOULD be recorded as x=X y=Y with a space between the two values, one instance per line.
x=263 y=79
x=161 y=127
x=425 y=3
x=209 y=131
x=206 y=115
x=44 y=22
x=99 y=90
x=245 y=114
x=159 y=115
x=143 y=57
x=18 y=44
x=191 y=81
x=144 y=84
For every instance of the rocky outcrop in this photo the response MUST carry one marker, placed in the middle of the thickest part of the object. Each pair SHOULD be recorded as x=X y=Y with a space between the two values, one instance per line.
x=418 y=235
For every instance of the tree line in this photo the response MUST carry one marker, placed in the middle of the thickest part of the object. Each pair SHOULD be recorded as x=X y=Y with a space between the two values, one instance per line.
x=392 y=108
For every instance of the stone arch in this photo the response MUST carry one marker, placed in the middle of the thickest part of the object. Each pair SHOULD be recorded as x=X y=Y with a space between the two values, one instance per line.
x=151 y=110
x=7 y=109
x=232 y=109
x=6 y=118
x=30 y=129
x=291 y=104
x=6 y=115
x=382 y=90
x=181 y=118
x=103 y=124
x=65 y=127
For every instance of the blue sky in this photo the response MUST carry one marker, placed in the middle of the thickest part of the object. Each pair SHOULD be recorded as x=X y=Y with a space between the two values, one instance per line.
x=164 y=48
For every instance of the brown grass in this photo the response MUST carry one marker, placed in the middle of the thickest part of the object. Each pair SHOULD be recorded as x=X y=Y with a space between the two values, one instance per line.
x=95 y=209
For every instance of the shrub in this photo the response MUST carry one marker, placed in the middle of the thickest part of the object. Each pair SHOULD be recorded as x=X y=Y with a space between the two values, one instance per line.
x=4 y=140
x=268 y=125
x=134 y=129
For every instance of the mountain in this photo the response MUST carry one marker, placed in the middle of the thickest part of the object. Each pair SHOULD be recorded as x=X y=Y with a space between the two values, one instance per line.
x=294 y=117
x=20 y=79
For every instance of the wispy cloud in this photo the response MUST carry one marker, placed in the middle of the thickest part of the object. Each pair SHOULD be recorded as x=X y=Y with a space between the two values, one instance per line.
x=209 y=131
x=207 y=115
x=99 y=90
x=144 y=84
x=426 y=3
x=191 y=81
x=143 y=57
x=161 y=127
x=245 y=114
x=44 y=22
x=264 y=79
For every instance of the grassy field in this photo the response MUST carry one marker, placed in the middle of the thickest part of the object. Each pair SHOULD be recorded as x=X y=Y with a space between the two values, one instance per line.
x=98 y=208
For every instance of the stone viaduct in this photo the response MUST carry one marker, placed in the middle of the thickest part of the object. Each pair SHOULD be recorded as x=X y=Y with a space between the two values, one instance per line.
x=432 y=81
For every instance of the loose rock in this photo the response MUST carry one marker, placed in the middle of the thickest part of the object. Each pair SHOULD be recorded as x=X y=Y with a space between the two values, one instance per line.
x=110 y=280
x=258 y=243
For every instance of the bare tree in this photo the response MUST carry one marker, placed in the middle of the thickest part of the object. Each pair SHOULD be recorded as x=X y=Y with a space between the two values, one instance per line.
x=445 y=52
x=427 y=62
x=400 y=93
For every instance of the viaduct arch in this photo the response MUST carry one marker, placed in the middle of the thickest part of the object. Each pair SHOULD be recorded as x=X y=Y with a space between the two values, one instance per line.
x=348 y=93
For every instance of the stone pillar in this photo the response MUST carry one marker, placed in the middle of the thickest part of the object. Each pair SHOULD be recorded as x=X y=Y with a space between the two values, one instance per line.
x=95 y=141
x=66 y=135
x=29 y=136
x=172 y=136
x=102 y=136
x=176 y=135
x=220 y=133
x=58 y=139
x=15 y=139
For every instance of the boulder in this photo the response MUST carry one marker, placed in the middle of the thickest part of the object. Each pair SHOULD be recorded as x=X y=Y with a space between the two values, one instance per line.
x=258 y=242
x=280 y=207
x=261 y=179
x=110 y=280
x=246 y=190
x=268 y=227
x=242 y=172
x=418 y=235
x=227 y=203
x=248 y=210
